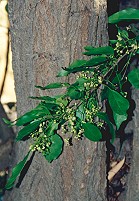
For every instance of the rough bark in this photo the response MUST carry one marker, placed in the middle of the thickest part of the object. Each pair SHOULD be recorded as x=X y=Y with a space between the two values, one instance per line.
x=48 y=35
x=132 y=189
x=133 y=179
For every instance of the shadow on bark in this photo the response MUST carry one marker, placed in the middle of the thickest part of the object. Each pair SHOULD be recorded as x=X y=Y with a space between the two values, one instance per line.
x=25 y=170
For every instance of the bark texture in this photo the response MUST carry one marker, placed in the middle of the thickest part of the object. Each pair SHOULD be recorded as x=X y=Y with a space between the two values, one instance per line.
x=48 y=35
x=133 y=180
x=132 y=189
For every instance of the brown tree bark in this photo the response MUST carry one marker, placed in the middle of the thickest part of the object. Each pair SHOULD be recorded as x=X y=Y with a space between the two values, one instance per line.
x=48 y=35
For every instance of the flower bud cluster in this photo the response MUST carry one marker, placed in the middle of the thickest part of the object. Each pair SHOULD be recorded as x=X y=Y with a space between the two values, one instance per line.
x=124 y=45
x=69 y=128
x=100 y=124
x=92 y=79
x=91 y=113
x=42 y=142
x=70 y=125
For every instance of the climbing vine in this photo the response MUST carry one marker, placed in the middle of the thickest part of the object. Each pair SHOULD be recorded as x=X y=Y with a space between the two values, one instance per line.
x=81 y=110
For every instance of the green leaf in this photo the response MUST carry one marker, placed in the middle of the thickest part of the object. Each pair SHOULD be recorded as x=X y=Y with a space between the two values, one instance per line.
x=51 y=128
x=51 y=106
x=88 y=48
x=39 y=111
x=96 y=60
x=113 y=41
x=99 y=50
x=55 y=149
x=8 y=122
x=133 y=78
x=27 y=118
x=92 y=132
x=118 y=103
x=53 y=86
x=77 y=63
x=79 y=84
x=16 y=171
x=62 y=101
x=80 y=113
x=123 y=33
x=124 y=15
x=117 y=79
x=62 y=73
x=91 y=102
x=27 y=130
x=137 y=37
x=104 y=117
x=74 y=93
x=119 y=119
x=104 y=93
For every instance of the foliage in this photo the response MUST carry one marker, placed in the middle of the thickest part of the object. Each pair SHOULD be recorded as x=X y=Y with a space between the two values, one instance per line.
x=80 y=111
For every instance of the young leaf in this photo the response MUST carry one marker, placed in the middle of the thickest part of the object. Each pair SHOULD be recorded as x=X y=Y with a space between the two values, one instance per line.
x=99 y=50
x=119 y=119
x=27 y=130
x=60 y=100
x=92 y=132
x=53 y=86
x=55 y=149
x=124 y=15
x=118 y=103
x=16 y=171
x=133 y=78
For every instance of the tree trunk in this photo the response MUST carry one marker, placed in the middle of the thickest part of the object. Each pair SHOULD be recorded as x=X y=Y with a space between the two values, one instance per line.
x=133 y=179
x=132 y=189
x=129 y=3
x=48 y=35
